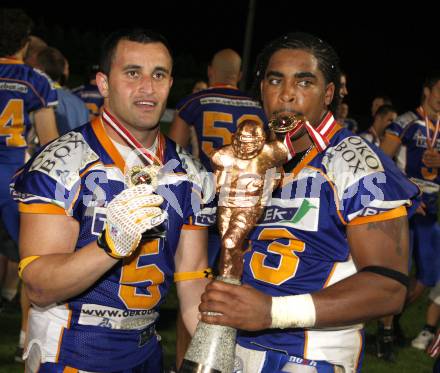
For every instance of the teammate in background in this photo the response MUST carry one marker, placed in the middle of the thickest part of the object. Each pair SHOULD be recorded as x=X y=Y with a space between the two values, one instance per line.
x=432 y=320
x=329 y=252
x=342 y=110
x=434 y=350
x=343 y=89
x=413 y=140
x=213 y=116
x=379 y=101
x=70 y=112
x=90 y=94
x=97 y=284
x=23 y=91
x=193 y=146
x=388 y=328
x=383 y=117
x=343 y=118
x=200 y=85
x=8 y=271
x=215 y=112
x=36 y=45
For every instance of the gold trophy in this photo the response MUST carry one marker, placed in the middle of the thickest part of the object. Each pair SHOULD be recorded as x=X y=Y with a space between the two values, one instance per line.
x=246 y=176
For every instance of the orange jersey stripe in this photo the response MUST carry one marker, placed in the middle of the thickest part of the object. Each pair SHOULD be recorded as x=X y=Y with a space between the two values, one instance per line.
x=392 y=137
x=70 y=370
x=101 y=134
x=392 y=214
x=190 y=227
x=41 y=208
x=330 y=275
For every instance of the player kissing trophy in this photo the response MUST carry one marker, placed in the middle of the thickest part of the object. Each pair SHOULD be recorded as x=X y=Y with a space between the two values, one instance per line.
x=247 y=172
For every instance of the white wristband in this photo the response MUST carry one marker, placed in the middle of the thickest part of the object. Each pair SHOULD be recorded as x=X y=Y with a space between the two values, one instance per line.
x=294 y=311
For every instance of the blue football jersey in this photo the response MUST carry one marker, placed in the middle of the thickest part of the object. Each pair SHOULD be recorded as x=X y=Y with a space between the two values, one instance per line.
x=215 y=114
x=89 y=93
x=300 y=245
x=103 y=329
x=410 y=130
x=22 y=91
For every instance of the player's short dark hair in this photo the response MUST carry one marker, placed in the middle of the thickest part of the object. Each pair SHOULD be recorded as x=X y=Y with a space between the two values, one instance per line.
x=431 y=79
x=385 y=109
x=328 y=60
x=15 y=28
x=52 y=62
x=137 y=35
x=386 y=99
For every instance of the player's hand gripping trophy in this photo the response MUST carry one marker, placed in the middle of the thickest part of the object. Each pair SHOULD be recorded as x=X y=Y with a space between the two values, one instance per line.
x=247 y=171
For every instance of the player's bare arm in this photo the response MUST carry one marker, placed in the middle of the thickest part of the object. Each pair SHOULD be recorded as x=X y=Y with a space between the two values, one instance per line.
x=191 y=256
x=71 y=272
x=390 y=145
x=59 y=273
x=180 y=131
x=45 y=125
x=381 y=244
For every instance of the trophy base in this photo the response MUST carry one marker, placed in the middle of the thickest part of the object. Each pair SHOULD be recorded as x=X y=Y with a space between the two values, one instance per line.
x=212 y=349
x=192 y=367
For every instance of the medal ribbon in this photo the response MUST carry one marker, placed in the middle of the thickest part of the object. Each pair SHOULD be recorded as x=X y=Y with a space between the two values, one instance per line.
x=319 y=135
x=429 y=142
x=147 y=157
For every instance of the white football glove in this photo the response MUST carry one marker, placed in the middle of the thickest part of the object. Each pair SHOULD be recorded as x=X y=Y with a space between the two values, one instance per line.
x=129 y=215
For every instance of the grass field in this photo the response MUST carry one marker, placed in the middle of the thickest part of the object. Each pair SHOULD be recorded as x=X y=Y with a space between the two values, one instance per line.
x=409 y=360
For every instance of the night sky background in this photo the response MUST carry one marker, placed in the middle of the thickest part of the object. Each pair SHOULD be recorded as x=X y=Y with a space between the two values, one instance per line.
x=382 y=51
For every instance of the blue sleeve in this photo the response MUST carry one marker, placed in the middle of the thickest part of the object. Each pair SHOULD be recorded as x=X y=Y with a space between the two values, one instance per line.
x=45 y=94
x=188 y=109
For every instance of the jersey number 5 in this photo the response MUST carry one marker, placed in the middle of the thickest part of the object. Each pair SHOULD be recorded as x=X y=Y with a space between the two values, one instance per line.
x=132 y=274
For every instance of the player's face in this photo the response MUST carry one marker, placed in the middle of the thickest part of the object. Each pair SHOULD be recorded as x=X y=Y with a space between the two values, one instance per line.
x=387 y=119
x=376 y=104
x=433 y=97
x=138 y=84
x=293 y=83
x=343 y=90
x=199 y=86
x=343 y=110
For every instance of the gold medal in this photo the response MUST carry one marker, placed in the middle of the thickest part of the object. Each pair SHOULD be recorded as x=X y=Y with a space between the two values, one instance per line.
x=142 y=175
x=286 y=123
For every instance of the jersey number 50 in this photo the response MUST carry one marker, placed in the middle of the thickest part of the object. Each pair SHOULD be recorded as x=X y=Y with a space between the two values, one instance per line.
x=220 y=135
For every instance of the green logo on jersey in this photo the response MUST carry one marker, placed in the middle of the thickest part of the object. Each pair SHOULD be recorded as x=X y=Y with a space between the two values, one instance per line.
x=305 y=207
